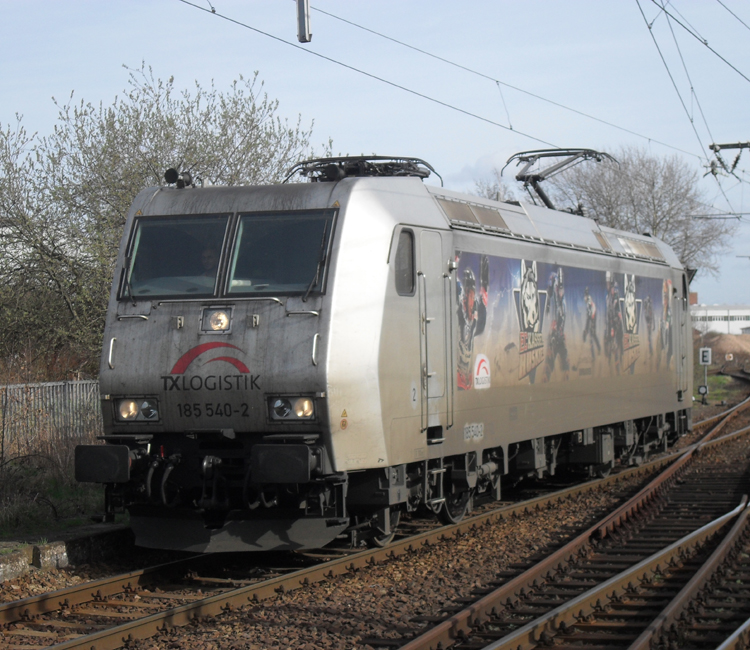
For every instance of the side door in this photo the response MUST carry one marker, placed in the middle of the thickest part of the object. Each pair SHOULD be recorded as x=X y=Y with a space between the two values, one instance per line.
x=434 y=289
x=681 y=311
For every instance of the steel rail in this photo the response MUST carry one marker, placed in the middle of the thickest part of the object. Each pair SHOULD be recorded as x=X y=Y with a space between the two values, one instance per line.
x=461 y=623
x=147 y=626
x=458 y=625
x=645 y=496
x=737 y=408
x=99 y=589
x=635 y=503
x=648 y=493
x=543 y=628
x=672 y=612
x=82 y=593
x=739 y=639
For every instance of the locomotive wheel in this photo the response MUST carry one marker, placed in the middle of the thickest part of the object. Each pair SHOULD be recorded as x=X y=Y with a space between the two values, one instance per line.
x=384 y=540
x=454 y=507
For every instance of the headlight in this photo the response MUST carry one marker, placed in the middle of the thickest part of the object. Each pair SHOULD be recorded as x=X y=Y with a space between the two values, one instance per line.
x=219 y=321
x=216 y=319
x=129 y=410
x=292 y=408
x=281 y=408
x=149 y=409
x=303 y=407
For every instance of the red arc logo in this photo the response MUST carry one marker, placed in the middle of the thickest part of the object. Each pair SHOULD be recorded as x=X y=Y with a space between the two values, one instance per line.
x=191 y=355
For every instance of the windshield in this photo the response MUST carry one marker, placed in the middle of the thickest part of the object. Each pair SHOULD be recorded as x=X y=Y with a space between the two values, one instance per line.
x=175 y=257
x=280 y=253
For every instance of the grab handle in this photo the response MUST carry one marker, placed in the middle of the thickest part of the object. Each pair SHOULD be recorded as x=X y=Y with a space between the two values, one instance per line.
x=111 y=357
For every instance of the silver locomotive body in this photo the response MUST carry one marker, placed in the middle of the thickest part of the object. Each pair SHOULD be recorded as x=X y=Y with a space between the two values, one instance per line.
x=286 y=364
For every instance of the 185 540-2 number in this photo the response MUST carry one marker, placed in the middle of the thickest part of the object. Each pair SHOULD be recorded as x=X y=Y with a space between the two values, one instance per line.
x=210 y=409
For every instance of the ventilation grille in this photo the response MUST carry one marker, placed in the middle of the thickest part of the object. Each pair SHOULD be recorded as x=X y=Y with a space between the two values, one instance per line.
x=602 y=241
x=642 y=248
x=473 y=215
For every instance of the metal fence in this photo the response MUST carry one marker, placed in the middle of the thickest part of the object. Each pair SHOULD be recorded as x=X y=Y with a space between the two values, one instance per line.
x=36 y=417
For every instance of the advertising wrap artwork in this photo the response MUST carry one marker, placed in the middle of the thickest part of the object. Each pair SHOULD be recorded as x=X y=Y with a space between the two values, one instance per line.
x=529 y=321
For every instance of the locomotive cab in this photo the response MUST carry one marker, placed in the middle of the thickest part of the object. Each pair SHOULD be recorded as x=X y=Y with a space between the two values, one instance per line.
x=213 y=393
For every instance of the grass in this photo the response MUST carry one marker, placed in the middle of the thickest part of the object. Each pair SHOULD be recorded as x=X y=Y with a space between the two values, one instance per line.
x=12 y=549
x=39 y=498
x=721 y=388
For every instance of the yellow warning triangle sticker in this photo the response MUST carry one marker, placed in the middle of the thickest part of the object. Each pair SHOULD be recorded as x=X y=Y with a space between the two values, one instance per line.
x=343 y=414
x=139 y=214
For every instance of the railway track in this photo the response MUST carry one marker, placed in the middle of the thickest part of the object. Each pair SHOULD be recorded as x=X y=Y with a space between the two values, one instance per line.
x=606 y=594
x=106 y=613
x=735 y=371
x=103 y=613
x=604 y=588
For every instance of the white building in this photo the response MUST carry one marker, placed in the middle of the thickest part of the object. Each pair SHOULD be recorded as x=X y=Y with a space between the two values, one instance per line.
x=724 y=319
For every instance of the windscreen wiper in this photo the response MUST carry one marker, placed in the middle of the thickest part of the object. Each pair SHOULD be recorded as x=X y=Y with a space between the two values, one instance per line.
x=322 y=255
x=128 y=286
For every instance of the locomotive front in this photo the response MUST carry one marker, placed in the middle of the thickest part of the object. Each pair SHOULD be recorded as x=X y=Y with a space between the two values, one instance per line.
x=212 y=393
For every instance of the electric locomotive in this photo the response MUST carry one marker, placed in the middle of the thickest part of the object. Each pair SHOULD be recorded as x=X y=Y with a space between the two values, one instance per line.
x=288 y=364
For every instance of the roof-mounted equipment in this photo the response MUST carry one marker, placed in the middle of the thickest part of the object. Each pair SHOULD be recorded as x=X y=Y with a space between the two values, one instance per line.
x=571 y=158
x=336 y=169
x=185 y=179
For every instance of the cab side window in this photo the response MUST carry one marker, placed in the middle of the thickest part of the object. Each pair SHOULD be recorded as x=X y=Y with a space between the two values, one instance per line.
x=685 y=293
x=404 y=262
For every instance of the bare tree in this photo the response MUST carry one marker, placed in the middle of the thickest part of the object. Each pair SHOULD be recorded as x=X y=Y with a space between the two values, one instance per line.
x=494 y=187
x=64 y=199
x=648 y=194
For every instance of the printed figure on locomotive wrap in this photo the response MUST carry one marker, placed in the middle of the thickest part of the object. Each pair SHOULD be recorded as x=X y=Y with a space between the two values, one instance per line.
x=556 y=339
x=531 y=310
x=666 y=321
x=590 y=329
x=613 y=341
x=472 y=316
x=288 y=365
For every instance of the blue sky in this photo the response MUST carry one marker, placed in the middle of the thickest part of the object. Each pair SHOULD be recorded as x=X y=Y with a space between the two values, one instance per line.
x=596 y=56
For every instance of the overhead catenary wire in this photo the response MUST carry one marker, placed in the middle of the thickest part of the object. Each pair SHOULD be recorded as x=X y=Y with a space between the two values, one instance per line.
x=734 y=14
x=507 y=85
x=723 y=193
x=505 y=106
x=500 y=83
x=239 y=23
x=701 y=40
x=717 y=214
x=684 y=20
x=669 y=73
x=367 y=74
x=693 y=94
x=674 y=84
x=694 y=32
x=712 y=212
x=742 y=216
x=690 y=81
